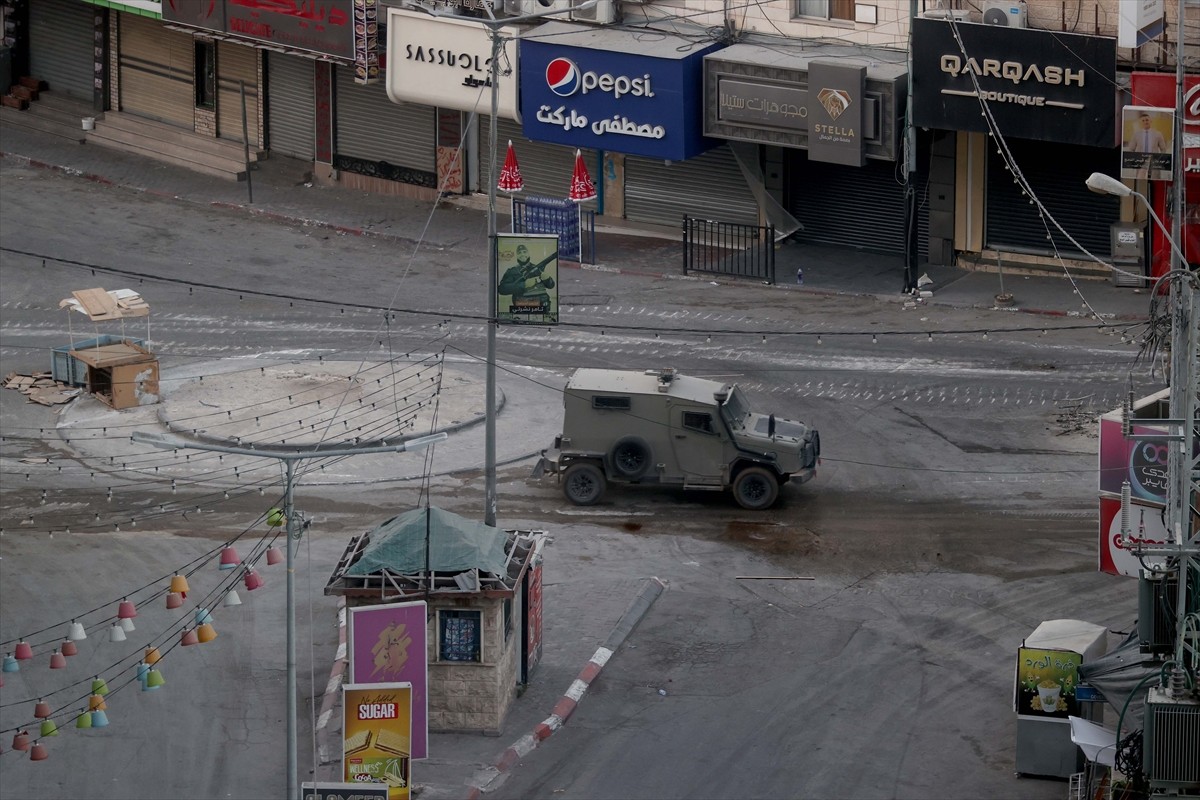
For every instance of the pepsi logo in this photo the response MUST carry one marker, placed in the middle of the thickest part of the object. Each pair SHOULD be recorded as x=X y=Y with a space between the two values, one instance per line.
x=562 y=76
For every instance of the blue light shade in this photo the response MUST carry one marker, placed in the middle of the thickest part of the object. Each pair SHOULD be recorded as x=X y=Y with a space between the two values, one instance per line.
x=11 y=664
x=99 y=719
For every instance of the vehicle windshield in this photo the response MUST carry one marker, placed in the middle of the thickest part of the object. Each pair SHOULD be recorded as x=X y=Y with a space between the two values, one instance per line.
x=735 y=409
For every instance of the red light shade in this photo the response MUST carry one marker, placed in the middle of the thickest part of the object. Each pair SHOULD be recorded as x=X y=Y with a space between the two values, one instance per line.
x=21 y=741
x=23 y=652
x=58 y=661
x=42 y=710
x=38 y=752
x=69 y=648
x=229 y=558
x=126 y=610
x=189 y=638
x=174 y=600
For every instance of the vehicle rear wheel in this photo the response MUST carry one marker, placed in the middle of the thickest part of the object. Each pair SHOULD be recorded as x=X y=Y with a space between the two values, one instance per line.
x=756 y=488
x=630 y=457
x=583 y=484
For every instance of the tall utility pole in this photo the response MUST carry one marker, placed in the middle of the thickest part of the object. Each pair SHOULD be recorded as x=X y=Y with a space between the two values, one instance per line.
x=289 y=459
x=910 y=165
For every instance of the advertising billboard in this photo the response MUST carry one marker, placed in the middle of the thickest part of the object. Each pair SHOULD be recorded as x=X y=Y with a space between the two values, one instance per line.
x=1146 y=526
x=1147 y=143
x=376 y=732
x=388 y=645
x=330 y=27
x=528 y=286
x=1046 y=681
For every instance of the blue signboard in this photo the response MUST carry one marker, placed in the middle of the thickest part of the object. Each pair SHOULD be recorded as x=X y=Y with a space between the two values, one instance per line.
x=613 y=99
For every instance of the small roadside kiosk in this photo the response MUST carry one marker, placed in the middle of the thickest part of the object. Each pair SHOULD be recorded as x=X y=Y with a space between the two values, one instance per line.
x=118 y=369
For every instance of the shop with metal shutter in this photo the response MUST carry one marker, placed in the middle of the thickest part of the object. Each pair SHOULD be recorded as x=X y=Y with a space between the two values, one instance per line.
x=709 y=186
x=546 y=168
x=156 y=68
x=376 y=137
x=291 y=105
x=61 y=39
x=237 y=66
x=1056 y=172
x=859 y=207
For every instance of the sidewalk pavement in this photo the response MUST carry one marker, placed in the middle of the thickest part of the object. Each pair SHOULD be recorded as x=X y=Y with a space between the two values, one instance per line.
x=464 y=765
x=283 y=190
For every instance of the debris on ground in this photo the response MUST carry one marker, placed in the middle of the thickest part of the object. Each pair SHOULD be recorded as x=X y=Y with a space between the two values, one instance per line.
x=40 y=387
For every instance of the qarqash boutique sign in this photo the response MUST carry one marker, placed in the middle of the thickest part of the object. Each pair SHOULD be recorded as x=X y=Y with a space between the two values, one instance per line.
x=447 y=63
x=1044 y=85
x=605 y=89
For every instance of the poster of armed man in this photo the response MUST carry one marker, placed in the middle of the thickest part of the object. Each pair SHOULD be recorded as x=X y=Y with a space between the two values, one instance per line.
x=528 y=285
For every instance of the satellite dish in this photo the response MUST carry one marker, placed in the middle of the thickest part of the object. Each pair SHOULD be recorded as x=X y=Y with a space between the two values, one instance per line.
x=995 y=16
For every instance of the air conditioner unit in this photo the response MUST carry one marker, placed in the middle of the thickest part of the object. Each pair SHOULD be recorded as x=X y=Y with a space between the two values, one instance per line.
x=526 y=7
x=1010 y=13
x=956 y=14
x=1170 y=741
x=603 y=13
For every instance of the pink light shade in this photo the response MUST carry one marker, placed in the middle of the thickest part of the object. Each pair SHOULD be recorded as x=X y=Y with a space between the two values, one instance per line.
x=274 y=556
x=189 y=638
x=58 y=661
x=42 y=710
x=229 y=558
x=69 y=648
x=253 y=581
x=174 y=599
x=38 y=752
x=23 y=652
x=126 y=610
x=21 y=741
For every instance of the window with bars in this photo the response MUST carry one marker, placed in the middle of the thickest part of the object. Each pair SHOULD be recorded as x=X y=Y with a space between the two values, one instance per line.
x=460 y=635
x=826 y=9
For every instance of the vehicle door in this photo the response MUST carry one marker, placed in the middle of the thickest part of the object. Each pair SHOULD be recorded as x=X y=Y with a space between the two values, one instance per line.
x=699 y=445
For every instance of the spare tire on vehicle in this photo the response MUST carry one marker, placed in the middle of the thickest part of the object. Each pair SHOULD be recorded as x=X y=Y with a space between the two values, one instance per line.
x=630 y=457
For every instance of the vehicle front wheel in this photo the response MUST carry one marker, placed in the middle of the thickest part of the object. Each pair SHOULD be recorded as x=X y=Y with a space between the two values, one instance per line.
x=756 y=488
x=583 y=484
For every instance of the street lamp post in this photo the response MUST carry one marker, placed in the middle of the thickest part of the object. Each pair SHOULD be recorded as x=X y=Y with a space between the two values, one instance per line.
x=289 y=458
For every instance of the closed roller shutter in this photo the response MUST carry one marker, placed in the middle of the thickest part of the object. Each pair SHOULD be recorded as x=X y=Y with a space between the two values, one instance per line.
x=546 y=168
x=237 y=65
x=60 y=46
x=291 y=104
x=859 y=207
x=156 y=71
x=1057 y=173
x=371 y=127
x=710 y=186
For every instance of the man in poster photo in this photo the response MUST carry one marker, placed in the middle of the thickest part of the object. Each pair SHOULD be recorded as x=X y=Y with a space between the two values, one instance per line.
x=526 y=288
x=1146 y=143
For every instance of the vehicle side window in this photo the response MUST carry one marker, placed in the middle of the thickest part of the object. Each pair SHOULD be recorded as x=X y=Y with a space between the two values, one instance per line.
x=699 y=422
x=610 y=403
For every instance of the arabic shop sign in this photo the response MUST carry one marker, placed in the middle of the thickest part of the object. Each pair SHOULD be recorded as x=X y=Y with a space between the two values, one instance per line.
x=1158 y=90
x=319 y=26
x=613 y=100
x=447 y=63
x=1045 y=85
x=836 y=131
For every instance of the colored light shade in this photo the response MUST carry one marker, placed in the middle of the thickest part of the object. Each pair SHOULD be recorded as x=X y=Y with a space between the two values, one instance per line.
x=252 y=581
x=179 y=584
x=76 y=632
x=174 y=600
x=69 y=648
x=58 y=661
x=97 y=703
x=274 y=556
x=151 y=655
x=231 y=599
x=127 y=625
x=21 y=741
x=275 y=517
x=23 y=652
x=203 y=616
x=49 y=728
x=206 y=632
x=126 y=610
x=116 y=633
x=229 y=558
x=143 y=670
x=154 y=680
x=41 y=710
x=189 y=638
x=12 y=665
x=99 y=719
x=99 y=686
x=84 y=720
x=38 y=752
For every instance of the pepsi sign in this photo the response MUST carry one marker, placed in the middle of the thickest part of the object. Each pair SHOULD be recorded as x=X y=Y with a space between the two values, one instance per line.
x=614 y=99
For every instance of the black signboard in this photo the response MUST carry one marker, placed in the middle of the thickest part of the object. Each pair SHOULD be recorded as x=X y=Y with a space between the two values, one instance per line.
x=328 y=27
x=1045 y=85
